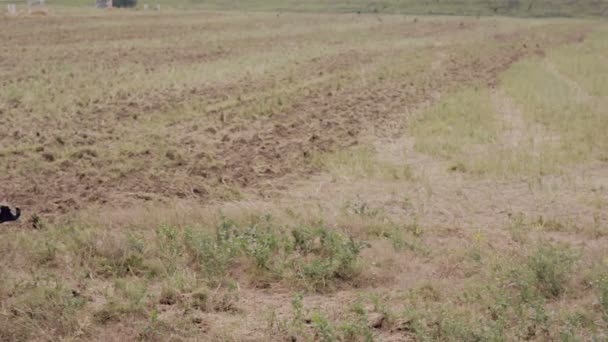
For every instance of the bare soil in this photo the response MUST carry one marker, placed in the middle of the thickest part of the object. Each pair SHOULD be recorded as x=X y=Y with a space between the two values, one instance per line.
x=315 y=105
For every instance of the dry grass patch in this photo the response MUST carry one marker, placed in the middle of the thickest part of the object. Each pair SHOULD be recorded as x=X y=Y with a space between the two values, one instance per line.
x=361 y=162
x=456 y=125
x=554 y=104
x=570 y=109
x=512 y=296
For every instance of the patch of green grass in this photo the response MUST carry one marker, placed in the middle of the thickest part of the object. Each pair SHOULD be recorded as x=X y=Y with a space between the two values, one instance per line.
x=316 y=325
x=457 y=125
x=365 y=221
x=361 y=162
x=509 y=299
x=323 y=327
x=550 y=267
x=556 y=119
x=314 y=257
x=574 y=123
x=585 y=62
x=601 y=286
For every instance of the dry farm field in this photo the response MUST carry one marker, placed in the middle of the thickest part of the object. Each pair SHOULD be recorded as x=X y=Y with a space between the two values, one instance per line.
x=286 y=176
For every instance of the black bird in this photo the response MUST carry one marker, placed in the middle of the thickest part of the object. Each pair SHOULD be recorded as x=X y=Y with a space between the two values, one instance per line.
x=6 y=215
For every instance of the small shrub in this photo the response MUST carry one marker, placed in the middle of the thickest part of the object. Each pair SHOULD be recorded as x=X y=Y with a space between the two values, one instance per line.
x=355 y=327
x=316 y=257
x=550 y=266
x=327 y=256
x=213 y=254
x=298 y=308
x=170 y=248
x=602 y=290
x=168 y=240
x=358 y=328
x=323 y=328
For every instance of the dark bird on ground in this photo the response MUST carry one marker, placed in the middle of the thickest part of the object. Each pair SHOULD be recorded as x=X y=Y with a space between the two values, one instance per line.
x=6 y=215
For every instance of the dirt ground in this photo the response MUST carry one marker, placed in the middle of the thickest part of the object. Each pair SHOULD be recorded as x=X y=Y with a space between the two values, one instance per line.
x=257 y=125
x=120 y=123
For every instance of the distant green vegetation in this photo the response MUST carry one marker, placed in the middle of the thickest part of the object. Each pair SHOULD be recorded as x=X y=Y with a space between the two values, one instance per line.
x=536 y=8
x=455 y=7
